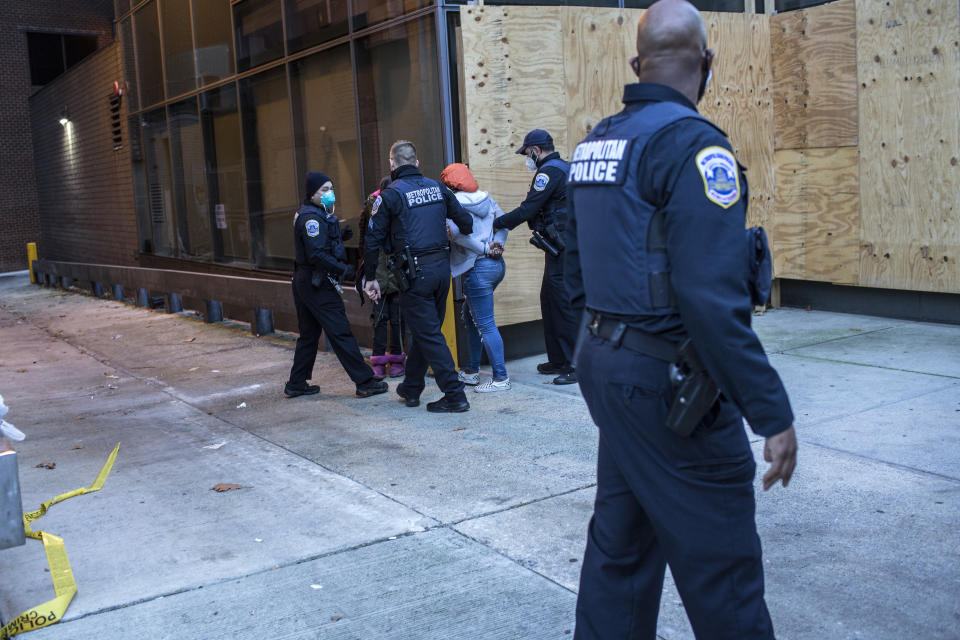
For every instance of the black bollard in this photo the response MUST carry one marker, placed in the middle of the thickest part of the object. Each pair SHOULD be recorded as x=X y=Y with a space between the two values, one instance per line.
x=97 y=289
x=143 y=298
x=262 y=322
x=118 y=292
x=214 y=312
x=174 y=303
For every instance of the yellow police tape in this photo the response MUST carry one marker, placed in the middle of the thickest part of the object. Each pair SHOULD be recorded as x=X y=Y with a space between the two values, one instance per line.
x=60 y=572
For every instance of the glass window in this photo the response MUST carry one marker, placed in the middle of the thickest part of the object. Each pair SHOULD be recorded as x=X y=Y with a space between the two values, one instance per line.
x=790 y=5
x=399 y=97
x=149 y=64
x=46 y=57
x=178 y=46
x=122 y=7
x=155 y=208
x=268 y=147
x=259 y=32
x=214 y=40
x=729 y=6
x=370 y=12
x=325 y=126
x=189 y=181
x=129 y=65
x=224 y=164
x=311 y=22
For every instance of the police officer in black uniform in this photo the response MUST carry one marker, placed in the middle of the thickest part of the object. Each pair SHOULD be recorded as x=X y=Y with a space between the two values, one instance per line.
x=544 y=210
x=319 y=269
x=408 y=220
x=657 y=252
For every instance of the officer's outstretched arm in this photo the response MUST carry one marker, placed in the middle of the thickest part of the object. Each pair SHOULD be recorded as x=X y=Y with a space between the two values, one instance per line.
x=537 y=197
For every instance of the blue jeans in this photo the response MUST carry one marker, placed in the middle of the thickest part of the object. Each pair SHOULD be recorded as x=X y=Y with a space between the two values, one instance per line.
x=478 y=285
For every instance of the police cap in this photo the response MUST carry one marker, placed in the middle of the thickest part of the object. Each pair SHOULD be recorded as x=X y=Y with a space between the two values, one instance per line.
x=536 y=138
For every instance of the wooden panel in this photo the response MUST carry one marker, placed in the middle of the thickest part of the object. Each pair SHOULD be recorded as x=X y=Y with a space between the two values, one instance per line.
x=814 y=57
x=818 y=215
x=908 y=59
x=513 y=83
x=598 y=45
x=739 y=100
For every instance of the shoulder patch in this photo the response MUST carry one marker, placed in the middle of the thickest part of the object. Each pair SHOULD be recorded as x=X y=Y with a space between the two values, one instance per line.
x=540 y=182
x=376 y=206
x=313 y=228
x=721 y=178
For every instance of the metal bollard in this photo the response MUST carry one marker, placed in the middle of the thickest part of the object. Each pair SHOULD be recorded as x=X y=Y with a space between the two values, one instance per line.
x=262 y=322
x=65 y=282
x=174 y=303
x=214 y=312
x=97 y=289
x=143 y=298
x=118 y=292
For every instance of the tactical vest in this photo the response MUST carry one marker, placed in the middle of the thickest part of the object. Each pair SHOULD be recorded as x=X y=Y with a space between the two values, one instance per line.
x=621 y=237
x=421 y=223
x=329 y=233
x=555 y=211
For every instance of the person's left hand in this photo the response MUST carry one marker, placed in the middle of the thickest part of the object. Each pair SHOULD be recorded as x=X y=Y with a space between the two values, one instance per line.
x=495 y=250
x=372 y=289
x=781 y=452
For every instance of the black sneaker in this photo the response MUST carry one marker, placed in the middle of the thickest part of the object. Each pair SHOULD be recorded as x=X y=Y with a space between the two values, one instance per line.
x=371 y=388
x=302 y=389
x=445 y=405
x=549 y=368
x=408 y=399
x=570 y=377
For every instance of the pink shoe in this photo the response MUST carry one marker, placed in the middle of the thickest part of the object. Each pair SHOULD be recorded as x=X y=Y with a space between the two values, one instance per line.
x=396 y=364
x=379 y=366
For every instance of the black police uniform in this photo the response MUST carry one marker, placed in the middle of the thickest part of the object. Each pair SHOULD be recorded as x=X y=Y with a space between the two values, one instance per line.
x=660 y=256
x=546 y=204
x=411 y=213
x=320 y=253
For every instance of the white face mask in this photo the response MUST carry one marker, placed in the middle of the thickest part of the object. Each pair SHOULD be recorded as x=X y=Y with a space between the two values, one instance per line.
x=531 y=164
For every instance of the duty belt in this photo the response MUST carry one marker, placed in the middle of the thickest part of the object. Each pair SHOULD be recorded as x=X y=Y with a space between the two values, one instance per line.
x=620 y=334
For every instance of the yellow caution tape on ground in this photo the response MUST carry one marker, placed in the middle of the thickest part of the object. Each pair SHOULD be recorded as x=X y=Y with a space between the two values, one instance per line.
x=60 y=572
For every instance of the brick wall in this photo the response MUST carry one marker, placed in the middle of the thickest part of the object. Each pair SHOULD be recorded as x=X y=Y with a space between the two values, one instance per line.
x=84 y=186
x=19 y=206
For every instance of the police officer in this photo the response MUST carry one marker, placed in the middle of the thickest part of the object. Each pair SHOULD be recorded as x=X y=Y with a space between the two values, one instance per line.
x=319 y=269
x=658 y=255
x=544 y=210
x=408 y=220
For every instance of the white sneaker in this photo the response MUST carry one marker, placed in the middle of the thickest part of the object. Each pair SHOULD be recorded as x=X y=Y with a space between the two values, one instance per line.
x=469 y=378
x=493 y=385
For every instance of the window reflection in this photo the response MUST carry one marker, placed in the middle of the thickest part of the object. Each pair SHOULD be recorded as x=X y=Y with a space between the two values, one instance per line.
x=189 y=181
x=155 y=209
x=129 y=65
x=399 y=97
x=178 y=47
x=227 y=200
x=150 y=65
x=311 y=22
x=211 y=19
x=259 y=32
x=325 y=126
x=268 y=148
x=371 y=12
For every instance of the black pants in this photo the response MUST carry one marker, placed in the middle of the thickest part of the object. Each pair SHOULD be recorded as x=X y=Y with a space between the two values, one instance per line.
x=559 y=319
x=663 y=499
x=386 y=312
x=424 y=304
x=321 y=309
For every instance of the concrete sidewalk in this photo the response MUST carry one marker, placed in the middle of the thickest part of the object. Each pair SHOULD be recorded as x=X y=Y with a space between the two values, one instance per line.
x=361 y=518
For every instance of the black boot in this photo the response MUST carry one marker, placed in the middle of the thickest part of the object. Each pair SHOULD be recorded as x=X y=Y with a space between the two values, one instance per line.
x=408 y=398
x=448 y=405
x=371 y=388
x=294 y=389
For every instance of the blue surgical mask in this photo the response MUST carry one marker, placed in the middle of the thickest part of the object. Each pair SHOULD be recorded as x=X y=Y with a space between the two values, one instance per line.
x=328 y=199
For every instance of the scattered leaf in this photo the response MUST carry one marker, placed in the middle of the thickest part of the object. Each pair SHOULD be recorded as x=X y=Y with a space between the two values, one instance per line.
x=336 y=618
x=47 y=465
x=433 y=486
x=855 y=329
x=190 y=339
x=79 y=446
x=225 y=486
x=21 y=370
x=458 y=429
x=78 y=417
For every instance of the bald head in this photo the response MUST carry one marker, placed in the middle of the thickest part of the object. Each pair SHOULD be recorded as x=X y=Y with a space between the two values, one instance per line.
x=672 y=47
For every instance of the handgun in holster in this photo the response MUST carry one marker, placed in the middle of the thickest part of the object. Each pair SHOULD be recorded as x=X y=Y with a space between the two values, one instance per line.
x=396 y=267
x=543 y=244
x=695 y=394
x=554 y=236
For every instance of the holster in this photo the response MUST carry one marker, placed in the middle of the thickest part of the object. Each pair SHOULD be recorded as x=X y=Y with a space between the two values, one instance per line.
x=696 y=392
x=543 y=244
x=394 y=265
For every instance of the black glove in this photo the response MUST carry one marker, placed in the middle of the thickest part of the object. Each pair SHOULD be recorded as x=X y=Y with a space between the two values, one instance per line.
x=346 y=233
x=349 y=273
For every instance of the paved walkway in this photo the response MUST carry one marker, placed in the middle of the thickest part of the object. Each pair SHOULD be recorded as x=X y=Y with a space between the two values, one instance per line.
x=360 y=518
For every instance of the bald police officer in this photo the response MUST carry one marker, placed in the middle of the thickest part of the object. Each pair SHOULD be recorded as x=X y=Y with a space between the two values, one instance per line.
x=409 y=221
x=670 y=365
x=545 y=212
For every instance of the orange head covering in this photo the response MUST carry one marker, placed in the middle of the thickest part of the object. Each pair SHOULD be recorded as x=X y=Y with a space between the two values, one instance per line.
x=458 y=177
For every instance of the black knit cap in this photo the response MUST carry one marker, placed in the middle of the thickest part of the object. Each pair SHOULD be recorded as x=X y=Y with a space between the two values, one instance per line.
x=315 y=180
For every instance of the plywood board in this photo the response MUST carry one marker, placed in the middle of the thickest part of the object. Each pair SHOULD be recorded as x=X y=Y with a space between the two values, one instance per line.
x=908 y=60
x=814 y=58
x=818 y=215
x=739 y=100
x=512 y=82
